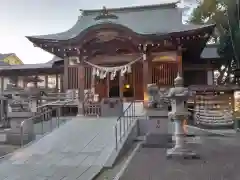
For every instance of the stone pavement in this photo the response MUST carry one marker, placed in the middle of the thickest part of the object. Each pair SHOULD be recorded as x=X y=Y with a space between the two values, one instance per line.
x=76 y=150
x=48 y=126
x=219 y=161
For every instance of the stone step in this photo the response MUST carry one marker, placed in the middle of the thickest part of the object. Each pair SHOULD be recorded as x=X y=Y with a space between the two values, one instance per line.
x=3 y=136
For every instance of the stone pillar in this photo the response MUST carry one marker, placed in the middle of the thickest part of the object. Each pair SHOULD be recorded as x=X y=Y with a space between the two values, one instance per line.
x=81 y=83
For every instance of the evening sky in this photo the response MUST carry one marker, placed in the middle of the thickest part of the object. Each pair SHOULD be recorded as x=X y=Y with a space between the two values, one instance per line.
x=20 y=18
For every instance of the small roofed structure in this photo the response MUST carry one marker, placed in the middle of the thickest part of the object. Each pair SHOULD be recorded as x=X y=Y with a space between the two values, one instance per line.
x=45 y=74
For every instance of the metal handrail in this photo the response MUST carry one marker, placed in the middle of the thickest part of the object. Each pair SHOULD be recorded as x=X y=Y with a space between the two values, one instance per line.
x=39 y=115
x=124 y=122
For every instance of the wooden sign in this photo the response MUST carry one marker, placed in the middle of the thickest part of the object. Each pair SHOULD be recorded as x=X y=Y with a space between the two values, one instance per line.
x=165 y=57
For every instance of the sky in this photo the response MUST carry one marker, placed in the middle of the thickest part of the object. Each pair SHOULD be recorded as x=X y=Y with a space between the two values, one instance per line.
x=20 y=18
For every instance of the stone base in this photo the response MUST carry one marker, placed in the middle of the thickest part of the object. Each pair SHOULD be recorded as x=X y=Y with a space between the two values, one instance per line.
x=79 y=115
x=158 y=141
x=15 y=139
x=181 y=153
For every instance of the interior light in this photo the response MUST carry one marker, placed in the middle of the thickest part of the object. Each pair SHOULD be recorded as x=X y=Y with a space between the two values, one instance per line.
x=127 y=86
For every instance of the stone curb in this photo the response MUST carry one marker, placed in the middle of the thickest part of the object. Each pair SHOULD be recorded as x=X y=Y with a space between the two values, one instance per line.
x=211 y=132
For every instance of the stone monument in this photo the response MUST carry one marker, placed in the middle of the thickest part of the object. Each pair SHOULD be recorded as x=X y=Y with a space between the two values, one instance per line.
x=179 y=96
x=22 y=107
x=157 y=124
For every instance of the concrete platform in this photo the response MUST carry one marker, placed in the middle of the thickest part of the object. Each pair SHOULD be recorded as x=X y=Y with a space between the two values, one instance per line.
x=77 y=150
x=219 y=159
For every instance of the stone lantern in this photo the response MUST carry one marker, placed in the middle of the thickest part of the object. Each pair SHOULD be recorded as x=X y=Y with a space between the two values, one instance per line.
x=179 y=96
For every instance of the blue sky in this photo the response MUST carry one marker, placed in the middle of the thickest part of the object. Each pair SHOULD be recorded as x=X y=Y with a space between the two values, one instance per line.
x=20 y=18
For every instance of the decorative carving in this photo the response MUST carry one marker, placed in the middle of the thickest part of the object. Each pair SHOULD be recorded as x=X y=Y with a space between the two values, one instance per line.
x=105 y=15
x=106 y=36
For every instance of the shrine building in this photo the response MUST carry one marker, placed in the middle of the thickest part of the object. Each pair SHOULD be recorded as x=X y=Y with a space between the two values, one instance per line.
x=117 y=52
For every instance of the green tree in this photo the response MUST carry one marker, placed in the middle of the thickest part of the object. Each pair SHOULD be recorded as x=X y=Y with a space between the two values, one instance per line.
x=225 y=14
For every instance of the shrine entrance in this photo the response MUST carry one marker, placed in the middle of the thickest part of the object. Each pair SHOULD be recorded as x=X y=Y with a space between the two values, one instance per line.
x=114 y=88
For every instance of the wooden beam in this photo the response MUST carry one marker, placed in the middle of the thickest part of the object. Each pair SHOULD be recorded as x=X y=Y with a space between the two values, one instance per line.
x=65 y=78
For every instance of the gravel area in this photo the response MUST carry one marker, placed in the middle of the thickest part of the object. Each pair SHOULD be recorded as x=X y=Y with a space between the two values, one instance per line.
x=219 y=161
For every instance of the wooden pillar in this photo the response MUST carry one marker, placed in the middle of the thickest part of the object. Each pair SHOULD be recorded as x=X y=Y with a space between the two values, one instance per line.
x=57 y=83
x=150 y=69
x=92 y=82
x=121 y=79
x=2 y=83
x=134 y=81
x=61 y=83
x=108 y=83
x=179 y=61
x=36 y=83
x=147 y=74
x=81 y=83
x=46 y=81
x=65 y=76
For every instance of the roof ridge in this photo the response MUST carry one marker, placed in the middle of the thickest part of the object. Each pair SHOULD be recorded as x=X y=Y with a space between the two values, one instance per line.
x=132 y=8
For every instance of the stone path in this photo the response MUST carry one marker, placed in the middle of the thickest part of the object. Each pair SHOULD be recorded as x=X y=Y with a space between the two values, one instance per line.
x=219 y=161
x=77 y=150
x=48 y=126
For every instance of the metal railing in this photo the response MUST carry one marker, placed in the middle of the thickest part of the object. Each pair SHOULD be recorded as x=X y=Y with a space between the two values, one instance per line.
x=44 y=113
x=124 y=122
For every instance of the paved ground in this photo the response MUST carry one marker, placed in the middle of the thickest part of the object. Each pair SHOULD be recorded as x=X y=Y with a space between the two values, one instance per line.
x=219 y=161
x=77 y=150
x=5 y=149
x=47 y=126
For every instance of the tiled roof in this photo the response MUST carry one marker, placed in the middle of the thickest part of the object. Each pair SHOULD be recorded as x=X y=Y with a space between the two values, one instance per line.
x=144 y=20
x=54 y=59
x=3 y=63
x=27 y=66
